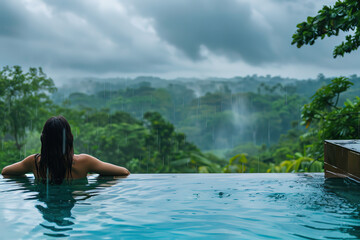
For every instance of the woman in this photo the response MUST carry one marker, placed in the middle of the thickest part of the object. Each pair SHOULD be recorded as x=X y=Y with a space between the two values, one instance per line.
x=57 y=160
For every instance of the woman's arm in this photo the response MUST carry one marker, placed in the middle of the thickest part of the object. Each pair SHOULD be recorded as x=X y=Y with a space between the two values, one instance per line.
x=20 y=168
x=103 y=168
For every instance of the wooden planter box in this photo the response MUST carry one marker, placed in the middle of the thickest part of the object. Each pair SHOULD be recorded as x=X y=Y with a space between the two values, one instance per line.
x=342 y=159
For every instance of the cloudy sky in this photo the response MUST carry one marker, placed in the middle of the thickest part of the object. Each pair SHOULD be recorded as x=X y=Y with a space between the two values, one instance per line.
x=177 y=38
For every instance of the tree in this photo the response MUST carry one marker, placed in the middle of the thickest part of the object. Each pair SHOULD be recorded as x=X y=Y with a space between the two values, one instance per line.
x=327 y=119
x=164 y=143
x=24 y=101
x=237 y=164
x=325 y=100
x=169 y=151
x=343 y=16
x=299 y=162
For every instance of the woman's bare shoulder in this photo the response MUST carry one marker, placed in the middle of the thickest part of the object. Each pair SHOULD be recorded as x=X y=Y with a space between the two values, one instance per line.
x=83 y=157
x=30 y=160
x=32 y=156
x=85 y=160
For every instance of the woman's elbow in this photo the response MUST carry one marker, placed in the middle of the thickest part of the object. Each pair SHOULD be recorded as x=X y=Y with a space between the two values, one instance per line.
x=4 y=171
x=127 y=172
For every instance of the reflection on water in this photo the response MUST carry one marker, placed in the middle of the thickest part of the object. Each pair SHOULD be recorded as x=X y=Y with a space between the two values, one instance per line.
x=58 y=202
x=344 y=188
x=349 y=192
x=55 y=202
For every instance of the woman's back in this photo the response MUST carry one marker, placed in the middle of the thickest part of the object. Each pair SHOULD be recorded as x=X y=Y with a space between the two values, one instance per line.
x=78 y=169
x=83 y=164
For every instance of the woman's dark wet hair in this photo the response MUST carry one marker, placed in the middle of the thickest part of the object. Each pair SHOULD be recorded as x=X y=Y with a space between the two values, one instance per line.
x=56 y=151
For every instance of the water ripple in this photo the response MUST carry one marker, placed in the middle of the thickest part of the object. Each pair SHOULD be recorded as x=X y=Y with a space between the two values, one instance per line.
x=184 y=206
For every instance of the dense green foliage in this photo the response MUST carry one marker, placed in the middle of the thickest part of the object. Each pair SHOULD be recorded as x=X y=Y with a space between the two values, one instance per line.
x=170 y=130
x=216 y=120
x=343 y=16
x=327 y=120
x=23 y=101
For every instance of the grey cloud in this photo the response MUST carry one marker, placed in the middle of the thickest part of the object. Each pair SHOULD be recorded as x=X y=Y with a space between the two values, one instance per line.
x=257 y=32
x=82 y=37
x=225 y=27
x=11 y=20
x=77 y=36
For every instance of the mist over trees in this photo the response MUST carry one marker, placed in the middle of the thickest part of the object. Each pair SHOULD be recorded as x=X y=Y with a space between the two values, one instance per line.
x=226 y=115
x=233 y=125
x=152 y=125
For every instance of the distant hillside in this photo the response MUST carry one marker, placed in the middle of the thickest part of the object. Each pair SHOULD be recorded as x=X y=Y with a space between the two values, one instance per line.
x=199 y=86
x=214 y=113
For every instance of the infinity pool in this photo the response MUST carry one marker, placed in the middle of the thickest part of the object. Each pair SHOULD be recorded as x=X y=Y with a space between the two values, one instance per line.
x=182 y=206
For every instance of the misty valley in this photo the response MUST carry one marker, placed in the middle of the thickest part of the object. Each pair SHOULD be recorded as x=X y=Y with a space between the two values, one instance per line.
x=184 y=125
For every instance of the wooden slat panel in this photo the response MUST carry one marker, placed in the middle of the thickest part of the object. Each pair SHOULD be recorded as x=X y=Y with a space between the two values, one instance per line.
x=340 y=162
x=354 y=163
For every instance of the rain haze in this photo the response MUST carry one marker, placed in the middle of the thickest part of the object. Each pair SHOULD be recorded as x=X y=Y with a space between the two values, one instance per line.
x=179 y=119
x=169 y=86
x=168 y=39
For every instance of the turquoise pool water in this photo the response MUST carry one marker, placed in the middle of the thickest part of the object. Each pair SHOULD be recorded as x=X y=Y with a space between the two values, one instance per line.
x=182 y=206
